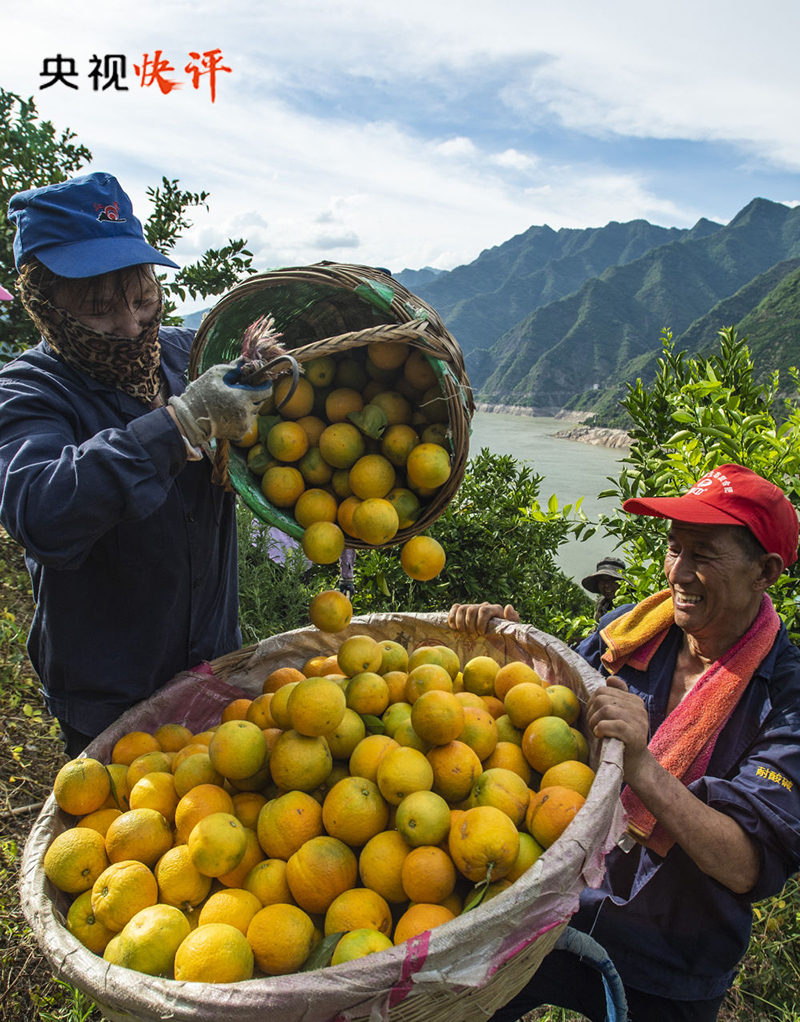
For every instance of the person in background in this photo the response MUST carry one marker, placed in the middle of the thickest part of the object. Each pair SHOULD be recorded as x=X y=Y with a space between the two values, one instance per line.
x=604 y=581
x=130 y=547
x=703 y=689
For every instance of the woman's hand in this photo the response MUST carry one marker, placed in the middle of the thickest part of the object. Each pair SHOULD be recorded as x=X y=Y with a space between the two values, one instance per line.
x=475 y=617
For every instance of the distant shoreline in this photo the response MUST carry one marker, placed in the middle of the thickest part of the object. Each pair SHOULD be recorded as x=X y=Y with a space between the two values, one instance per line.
x=598 y=436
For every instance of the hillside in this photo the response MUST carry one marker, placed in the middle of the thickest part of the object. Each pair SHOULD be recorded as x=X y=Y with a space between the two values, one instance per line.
x=583 y=343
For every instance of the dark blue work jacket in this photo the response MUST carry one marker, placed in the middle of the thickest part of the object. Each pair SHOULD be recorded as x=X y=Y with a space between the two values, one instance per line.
x=130 y=547
x=670 y=929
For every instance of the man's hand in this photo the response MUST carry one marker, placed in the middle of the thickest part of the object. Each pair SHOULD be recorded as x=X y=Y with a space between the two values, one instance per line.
x=216 y=405
x=614 y=712
x=475 y=617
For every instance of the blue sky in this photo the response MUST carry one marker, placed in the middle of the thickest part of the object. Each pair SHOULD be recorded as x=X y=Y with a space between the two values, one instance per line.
x=422 y=133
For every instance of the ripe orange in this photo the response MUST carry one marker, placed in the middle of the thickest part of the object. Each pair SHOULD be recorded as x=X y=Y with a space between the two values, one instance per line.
x=340 y=402
x=356 y=909
x=511 y=757
x=281 y=937
x=299 y=404
x=398 y=442
x=547 y=741
x=551 y=811
x=375 y=521
x=367 y=692
x=402 y=771
x=484 y=842
x=367 y=755
x=236 y=709
x=234 y=906
x=323 y=542
x=142 y=834
x=505 y=790
x=315 y=505
x=428 y=874
x=85 y=927
x=380 y=865
x=287 y=441
x=99 y=820
x=422 y=558
x=511 y=674
x=346 y=736
x=437 y=717
x=341 y=445
x=418 y=919
x=320 y=870
x=455 y=768
x=479 y=731
x=316 y=706
x=180 y=883
x=396 y=680
x=571 y=773
x=267 y=880
x=282 y=485
x=354 y=811
x=280 y=677
x=133 y=744
x=330 y=611
x=75 y=859
x=314 y=468
x=428 y=466
x=238 y=749
x=372 y=476
x=419 y=371
x=525 y=702
x=427 y=678
x=286 y=822
x=253 y=854
x=359 y=653
x=216 y=952
x=423 y=818
x=358 y=944
x=313 y=425
x=479 y=675
x=529 y=852
x=156 y=791
x=217 y=844
x=81 y=786
x=172 y=737
x=388 y=354
x=121 y=891
x=192 y=749
x=565 y=703
x=259 y=713
x=300 y=762
x=148 y=943
x=200 y=801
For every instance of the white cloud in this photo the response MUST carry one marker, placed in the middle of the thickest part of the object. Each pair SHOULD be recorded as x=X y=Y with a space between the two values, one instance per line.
x=456 y=147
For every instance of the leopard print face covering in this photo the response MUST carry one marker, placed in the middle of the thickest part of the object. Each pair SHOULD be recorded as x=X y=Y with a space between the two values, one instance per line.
x=129 y=364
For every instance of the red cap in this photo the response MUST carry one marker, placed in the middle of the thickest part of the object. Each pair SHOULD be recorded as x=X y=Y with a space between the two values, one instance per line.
x=732 y=495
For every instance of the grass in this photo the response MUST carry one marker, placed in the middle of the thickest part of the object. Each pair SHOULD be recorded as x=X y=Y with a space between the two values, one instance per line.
x=273 y=599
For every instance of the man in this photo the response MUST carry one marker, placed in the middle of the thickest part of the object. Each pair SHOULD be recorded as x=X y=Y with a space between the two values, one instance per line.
x=604 y=581
x=704 y=691
x=130 y=547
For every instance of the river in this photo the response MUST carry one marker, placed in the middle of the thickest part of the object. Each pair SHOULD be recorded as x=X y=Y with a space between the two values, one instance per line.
x=570 y=470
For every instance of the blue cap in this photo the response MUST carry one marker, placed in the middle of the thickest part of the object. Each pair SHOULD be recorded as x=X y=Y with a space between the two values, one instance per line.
x=80 y=228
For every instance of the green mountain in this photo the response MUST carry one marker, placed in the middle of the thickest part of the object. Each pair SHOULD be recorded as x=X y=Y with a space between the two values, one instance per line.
x=580 y=345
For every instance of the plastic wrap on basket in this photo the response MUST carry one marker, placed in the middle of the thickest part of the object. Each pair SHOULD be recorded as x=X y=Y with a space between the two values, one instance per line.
x=465 y=969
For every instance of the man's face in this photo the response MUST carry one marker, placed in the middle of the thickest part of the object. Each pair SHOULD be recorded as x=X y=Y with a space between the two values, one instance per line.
x=712 y=580
x=607 y=587
x=122 y=308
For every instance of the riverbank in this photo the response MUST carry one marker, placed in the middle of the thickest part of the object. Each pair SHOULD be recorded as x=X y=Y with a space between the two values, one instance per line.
x=598 y=436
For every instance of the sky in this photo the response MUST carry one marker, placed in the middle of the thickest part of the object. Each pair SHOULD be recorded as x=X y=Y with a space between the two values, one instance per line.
x=421 y=133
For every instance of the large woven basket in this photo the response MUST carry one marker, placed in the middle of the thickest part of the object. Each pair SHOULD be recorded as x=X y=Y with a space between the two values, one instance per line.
x=326 y=309
x=461 y=971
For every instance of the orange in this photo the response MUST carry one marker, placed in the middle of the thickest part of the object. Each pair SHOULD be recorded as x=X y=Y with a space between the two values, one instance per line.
x=99 y=820
x=402 y=771
x=358 y=908
x=440 y=655
x=120 y=789
x=525 y=702
x=428 y=465
x=367 y=692
x=394 y=715
x=427 y=678
x=423 y=818
x=133 y=744
x=393 y=656
x=259 y=713
x=121 y=891
x=340 y=482
x=286 y=822
x=437 y=717
x=551 y=811
x=172 y=737
x=344 y=515
x=200 y=801
x=505 y=790
x=246 y=807
x=484 y=843
x=479 y=674
x=418 y=919
x=314 y=468
x=380 y=865
x=340 y=402
x=192 y=749
x=455 y=769
x=180 y=883
x=81 y=786
x=287 y=441
x=571 y=773
x=315 y=505
x=323 y=542
x=150 y=762
x=236 y=710
x=249 y=437
x=279 y=706
x=396 y=680
x=320 y=371
x=341 y=445
x=320 y=870
x=394 y=406
x=388 y=354
x=470 y=699
x=238 y=749
x=299 y=404
x=234 y=906
x=494 y=706
x=148 y=943
x=511 y=757
x=267 y=880
x=253 y=854
x=506 y=732
x=280 y=677
x=406 y=504
x=217 y=844
x=511 y=674
x=75 y=859
x=529 y=852
x=372 y=476
x=419 y=371
x=156 y=791
x=216 y=952
x=281 y=937
x=428 y=874
x=316 y=706
x=259 y=459
x=358 y=944
x=346 y=735
x=312 y=668
x=375 y=521
x=422 y=558
x=330 y=611
x=367 y=755
x=582 y=745
x=282 y=485
x=547 y=741
x=313 y=425
x=354 y=811
x=398 y=442
x=565 y=703
x=85 y=927
x=300 y=762
x=479 y=731
x=142 y=834
x=406 y=736
x=359 y=653
x=433 y=405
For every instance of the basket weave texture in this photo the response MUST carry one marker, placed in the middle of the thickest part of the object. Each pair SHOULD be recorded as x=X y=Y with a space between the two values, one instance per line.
x=463 y=970
x=328 y=309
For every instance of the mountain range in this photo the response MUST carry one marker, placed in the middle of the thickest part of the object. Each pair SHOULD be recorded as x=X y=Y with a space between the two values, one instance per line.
x=559 y=320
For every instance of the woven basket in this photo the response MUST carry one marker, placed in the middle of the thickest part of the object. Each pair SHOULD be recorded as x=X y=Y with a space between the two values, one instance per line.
x=461 y=971
x=327 y=309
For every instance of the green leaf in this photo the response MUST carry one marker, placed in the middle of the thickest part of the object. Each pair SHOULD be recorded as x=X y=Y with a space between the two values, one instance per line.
x=374 y=725
x=320 y=957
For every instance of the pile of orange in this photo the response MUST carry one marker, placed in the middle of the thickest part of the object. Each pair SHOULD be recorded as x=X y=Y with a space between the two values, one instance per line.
x=358 y=802
x=360 y=447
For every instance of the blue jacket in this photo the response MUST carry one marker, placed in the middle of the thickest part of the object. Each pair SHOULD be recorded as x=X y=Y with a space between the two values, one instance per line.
x=131 y=549
x=670 y=929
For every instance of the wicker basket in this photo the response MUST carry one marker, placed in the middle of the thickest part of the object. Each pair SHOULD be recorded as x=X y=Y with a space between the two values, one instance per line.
x=326 y=309
x=463 y=970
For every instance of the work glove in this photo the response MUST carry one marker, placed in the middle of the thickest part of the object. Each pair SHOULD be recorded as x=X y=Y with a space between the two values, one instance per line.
x=217 y=404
